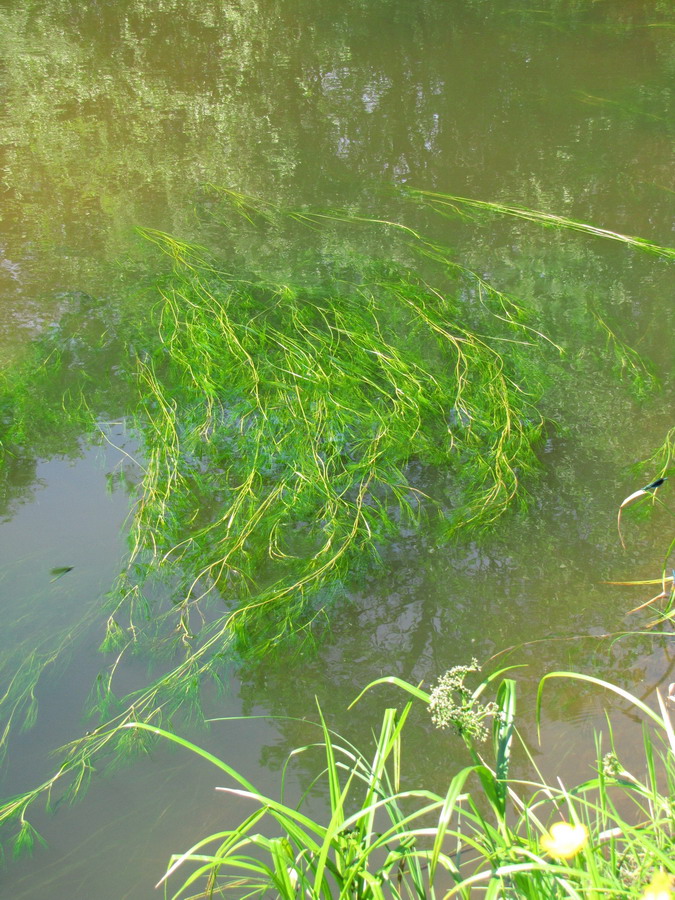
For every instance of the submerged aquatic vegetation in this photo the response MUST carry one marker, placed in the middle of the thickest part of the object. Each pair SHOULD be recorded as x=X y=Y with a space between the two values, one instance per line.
x=291 y=425
x=451 y=204
x=660 y=459
x=648 y=490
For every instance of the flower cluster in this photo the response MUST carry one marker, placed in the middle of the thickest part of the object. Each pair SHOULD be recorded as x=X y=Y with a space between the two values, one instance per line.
x=452 y=703
x=611 y=767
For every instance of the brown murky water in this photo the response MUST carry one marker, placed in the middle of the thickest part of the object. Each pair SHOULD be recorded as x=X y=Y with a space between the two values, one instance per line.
x=117 y=114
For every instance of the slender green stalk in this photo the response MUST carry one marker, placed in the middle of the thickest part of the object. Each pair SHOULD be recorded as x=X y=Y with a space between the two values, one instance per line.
x=449 y=203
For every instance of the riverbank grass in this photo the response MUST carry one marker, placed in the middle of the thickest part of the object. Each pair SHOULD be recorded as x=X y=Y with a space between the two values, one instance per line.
x=490 y=834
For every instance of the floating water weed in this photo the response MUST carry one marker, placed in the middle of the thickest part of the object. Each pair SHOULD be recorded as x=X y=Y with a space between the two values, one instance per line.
x=451 y=204
x=291 y=427
x=648 y=490
x=628 y=362
x=662 y=458
x=282 y=420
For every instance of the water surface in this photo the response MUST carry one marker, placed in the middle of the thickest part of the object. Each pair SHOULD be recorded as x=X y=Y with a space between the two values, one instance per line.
x=116 y=115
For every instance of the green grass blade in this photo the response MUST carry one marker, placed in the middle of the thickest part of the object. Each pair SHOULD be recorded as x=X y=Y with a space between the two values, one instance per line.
x=399 y=682
x=635 y=701
x=451 y=798
x=448 y=201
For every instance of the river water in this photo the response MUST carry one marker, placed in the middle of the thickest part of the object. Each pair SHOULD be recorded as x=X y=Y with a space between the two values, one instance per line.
x=118 y=114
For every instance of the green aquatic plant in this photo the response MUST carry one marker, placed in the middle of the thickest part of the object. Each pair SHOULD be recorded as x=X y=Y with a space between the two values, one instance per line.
x=660 y=461
x=290 y=425
x=627 y=361
x=288 y=429
x=449 y=204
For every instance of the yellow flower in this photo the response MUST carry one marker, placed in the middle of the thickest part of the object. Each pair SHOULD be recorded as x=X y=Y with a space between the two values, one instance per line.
x=660 y=887
x=565 y=840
